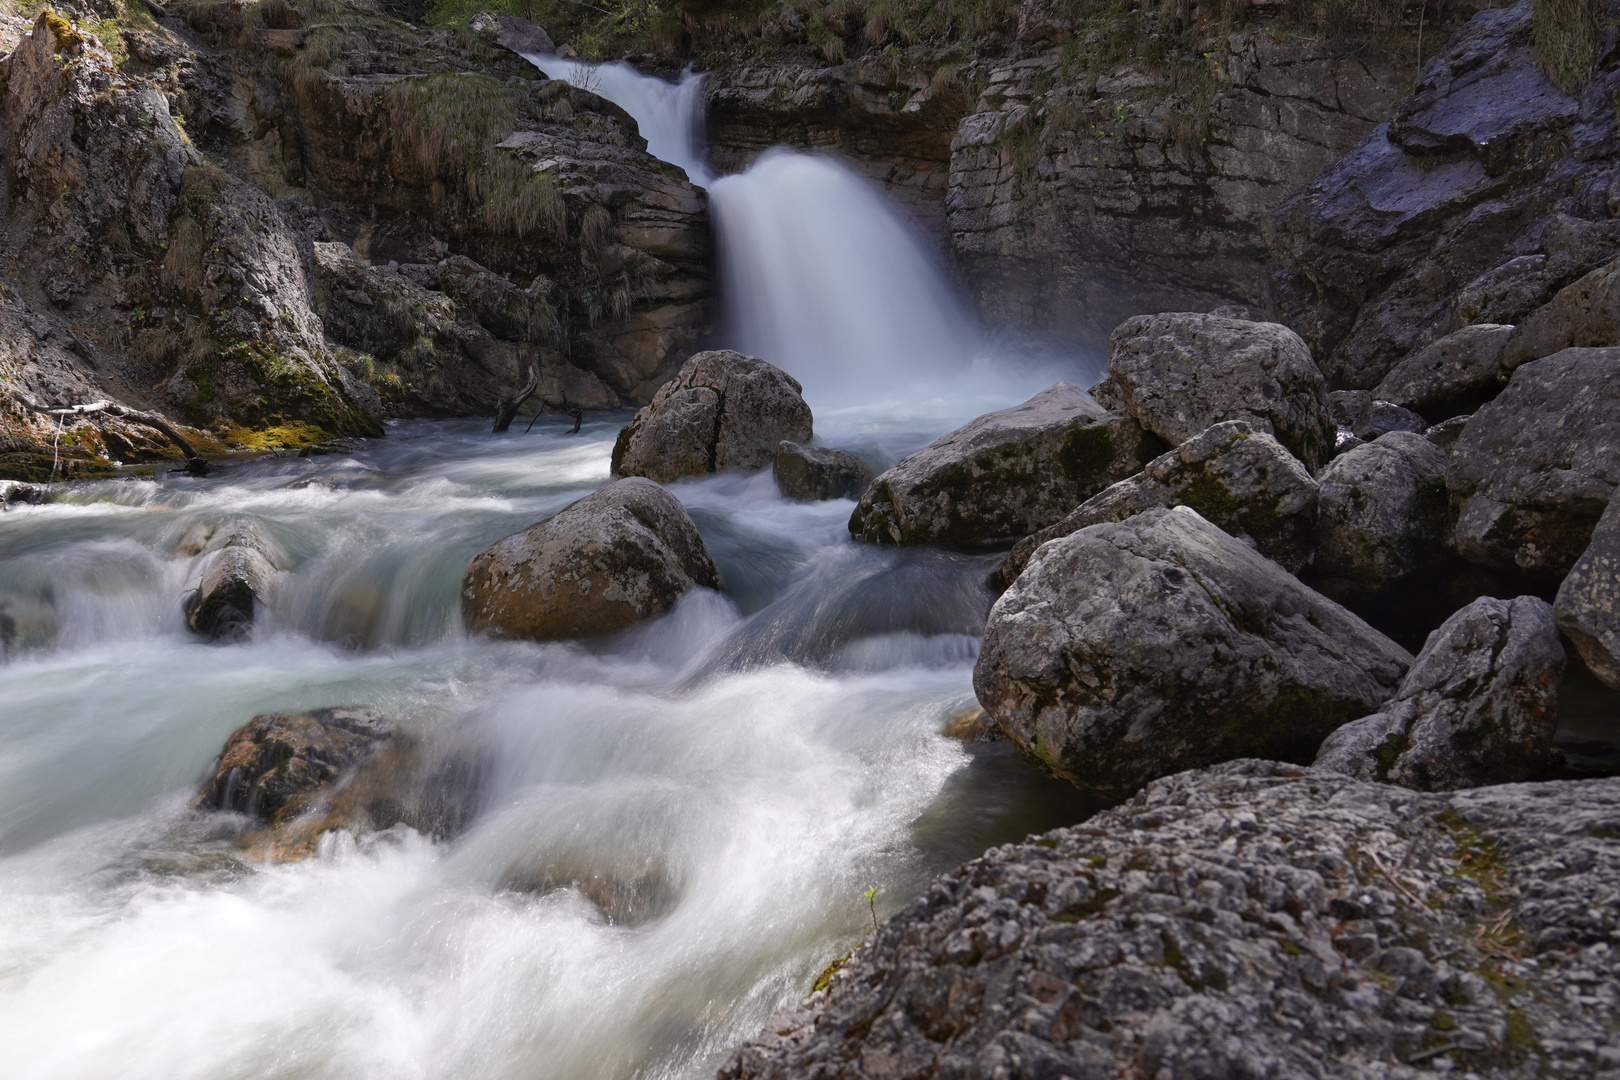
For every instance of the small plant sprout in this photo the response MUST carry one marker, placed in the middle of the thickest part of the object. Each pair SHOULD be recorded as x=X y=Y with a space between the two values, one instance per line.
x=871 y=902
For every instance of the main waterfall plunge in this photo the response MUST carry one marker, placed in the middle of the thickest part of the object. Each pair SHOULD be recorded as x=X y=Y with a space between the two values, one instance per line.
x=742 y=770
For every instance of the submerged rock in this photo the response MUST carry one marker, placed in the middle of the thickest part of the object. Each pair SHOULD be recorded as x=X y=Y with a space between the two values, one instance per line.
x=15 y=493
x=612 y=559
x=1181 y=372
x=1249 y=920
x=1239 y=479
x=1004 y=475
x=1588 y=603
x=1384 y=514
x=1129 y=651
x=238 y=573
x=272 y=765
x=723 y=411
x=1455 y=374
x=813 y=473
x=1479 y=706
x=1535 y=467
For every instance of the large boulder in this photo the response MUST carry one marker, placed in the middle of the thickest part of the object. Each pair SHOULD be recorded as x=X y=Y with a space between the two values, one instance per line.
x=1479 y=706
x=615 y=557
x=1239 y=479
x=1585 y=312
x=1384 y=513
x=1180 y=372
x=1454 y=375
x=722 y=411
x=1004 y=475
x=1251 y=920
x=1588 y=603
x=274 y=764
x=1535 y=467
x=813 y=473
x=1129 y=651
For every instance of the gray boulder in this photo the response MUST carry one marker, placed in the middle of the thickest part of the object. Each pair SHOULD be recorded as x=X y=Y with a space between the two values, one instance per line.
x=511 y=32
x=1004 y=475
x=1588 y=603
x=16 y=493
x=1535 y=467
x=1250 y=920
x=723 y=411
x=1361 y=415
x=1239 y=479
x=1129 y=651
x=1449 y=376
x=1384 y=513
x=1446 y=433
x=813 y=473
x=1479 y=706
x=1179 y=373
x=236 y=573
x=1586 y=312
x=615 y=557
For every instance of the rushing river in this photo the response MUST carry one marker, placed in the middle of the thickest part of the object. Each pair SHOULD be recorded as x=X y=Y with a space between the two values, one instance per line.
x=748 y=766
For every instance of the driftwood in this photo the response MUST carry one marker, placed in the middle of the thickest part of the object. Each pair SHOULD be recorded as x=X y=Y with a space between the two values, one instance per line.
x=196 y=465
x=509 y=409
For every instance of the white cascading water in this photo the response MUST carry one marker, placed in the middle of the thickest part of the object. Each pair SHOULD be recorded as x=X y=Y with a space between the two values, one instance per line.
x=743 y=769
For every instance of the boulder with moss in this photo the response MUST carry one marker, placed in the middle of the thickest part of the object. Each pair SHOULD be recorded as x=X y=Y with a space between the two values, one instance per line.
x=1005 y=475
x=1129 y=651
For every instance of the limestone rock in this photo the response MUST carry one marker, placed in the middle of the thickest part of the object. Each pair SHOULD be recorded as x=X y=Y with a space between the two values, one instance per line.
x=1004 y=475
x=1537 y=465
x=1588 y=603
x=1384 y=514
x=1129 y=651
x=1453 y=375
x=1479 y=706
x=1362 y=417
x=813 y=473
x=723 y=411
x=620 y=555
x=1239 y=479
x=1249 y=920
x=1182 y=372
x=1584 y=313
x=273 y=765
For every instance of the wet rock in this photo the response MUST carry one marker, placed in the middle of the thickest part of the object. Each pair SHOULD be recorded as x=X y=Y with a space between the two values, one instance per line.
x=1456 y=374
x=1182 y=372
x=1479 y=706
x=238 y=573
x=1363 y=417
x=1536 y=466
x=16 y=493
x=813 y=473
x=510 y=32
x=724 y=411
x=1588 y=602
x=612 y=559
x=274 y=764
x=1004 y=475
x=1239 y=479
x=1129 y=651
x=1253 y=919
x=1584 y=313
x=1384 y=514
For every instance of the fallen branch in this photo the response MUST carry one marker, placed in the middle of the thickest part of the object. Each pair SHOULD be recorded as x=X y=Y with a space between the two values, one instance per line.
x=509 y=409
x=196 y=465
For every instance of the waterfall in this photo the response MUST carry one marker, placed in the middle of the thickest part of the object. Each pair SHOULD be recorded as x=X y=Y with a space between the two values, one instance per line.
x=820 y=275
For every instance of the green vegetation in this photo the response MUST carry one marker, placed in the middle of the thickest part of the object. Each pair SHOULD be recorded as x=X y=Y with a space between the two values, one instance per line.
x=1567 y=36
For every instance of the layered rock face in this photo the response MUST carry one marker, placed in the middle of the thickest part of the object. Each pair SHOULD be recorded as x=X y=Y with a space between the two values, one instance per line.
x=1129 y=651
x=616 y=557
x=1253 y=919
x=1004 y=475
x=1479 y=706
x=722 y=411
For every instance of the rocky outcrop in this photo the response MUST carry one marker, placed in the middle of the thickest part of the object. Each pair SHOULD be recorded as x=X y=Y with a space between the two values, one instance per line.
x=1384 y=514
x=724 y=411
x=1456 y=374
x=1253 y=919
x=1483 y=196
x=1238 y=479
x=1086 y=189
x=1588 y=603
x=1181 y=373
x=612 y=559
x=1479 y=706
x=814 y=473
x=1535 y=467
x=1130 y=651
x=1004 y=475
